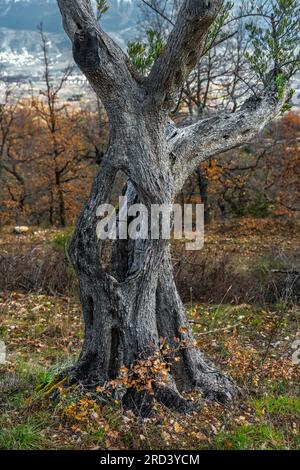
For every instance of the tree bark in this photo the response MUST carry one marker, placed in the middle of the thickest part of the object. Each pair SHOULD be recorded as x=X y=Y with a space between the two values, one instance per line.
x=130 y=307
x=203 y=190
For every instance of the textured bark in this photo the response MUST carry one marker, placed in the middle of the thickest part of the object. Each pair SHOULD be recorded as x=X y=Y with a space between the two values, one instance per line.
x=203 y=191
x=130 y=306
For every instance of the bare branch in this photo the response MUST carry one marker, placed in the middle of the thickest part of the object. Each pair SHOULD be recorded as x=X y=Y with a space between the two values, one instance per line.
x=184 y=46
x=158 y=12
x=207 y=138
x=77 y=14
x=102 y=61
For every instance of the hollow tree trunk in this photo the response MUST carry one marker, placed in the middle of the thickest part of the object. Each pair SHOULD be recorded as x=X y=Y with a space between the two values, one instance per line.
x=128 y=309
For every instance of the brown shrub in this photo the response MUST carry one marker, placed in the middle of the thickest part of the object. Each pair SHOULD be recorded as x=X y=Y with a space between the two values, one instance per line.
x=200 y=277
x=207 y=278
x=36 y=270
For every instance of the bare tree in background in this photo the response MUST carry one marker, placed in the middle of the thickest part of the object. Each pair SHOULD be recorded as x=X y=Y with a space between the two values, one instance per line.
x=50 y=115
x=222 y=78
x=9 y=165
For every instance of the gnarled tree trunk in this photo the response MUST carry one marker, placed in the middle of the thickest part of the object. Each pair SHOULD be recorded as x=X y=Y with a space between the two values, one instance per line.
x=128 y=309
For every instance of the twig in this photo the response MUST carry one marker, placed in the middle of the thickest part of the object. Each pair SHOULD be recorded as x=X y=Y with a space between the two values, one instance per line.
x=286 y=271
x=158 y=11
x=226 y=328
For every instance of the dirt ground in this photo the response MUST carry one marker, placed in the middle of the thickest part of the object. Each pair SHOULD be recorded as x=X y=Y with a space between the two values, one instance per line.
x=254 y=343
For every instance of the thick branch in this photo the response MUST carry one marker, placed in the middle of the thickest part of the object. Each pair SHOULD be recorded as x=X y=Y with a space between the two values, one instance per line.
x=184 y=46
x=97 y=55
x=207 y=138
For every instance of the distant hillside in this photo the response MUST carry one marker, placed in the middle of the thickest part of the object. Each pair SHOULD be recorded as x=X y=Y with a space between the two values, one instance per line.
x=27 y=14
x=20 y=50
x=19 y=41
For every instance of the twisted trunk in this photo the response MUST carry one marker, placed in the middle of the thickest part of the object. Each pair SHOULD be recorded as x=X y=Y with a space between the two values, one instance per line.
x=131 y=305
x=128 y=309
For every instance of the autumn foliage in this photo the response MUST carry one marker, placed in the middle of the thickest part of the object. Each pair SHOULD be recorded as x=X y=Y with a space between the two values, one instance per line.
x=48 y=160
x=258 y=180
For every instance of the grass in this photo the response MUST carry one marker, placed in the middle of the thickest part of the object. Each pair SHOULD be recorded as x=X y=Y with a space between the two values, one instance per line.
x=276 y=428
x=252 y=343
x=264 y=265
x=24 y=436
x=251 y=437
x=280 y=405
x=61 y=240
x=235 y=337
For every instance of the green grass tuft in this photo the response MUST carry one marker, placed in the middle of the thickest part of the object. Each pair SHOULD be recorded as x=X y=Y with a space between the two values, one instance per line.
x=25 y=436
x=250 y=437
x=61 y=241
x=282 y=405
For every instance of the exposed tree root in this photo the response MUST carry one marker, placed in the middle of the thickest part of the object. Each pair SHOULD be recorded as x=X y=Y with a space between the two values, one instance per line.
x=220 y=389
x=139 y=402
x=213 y=387
x=46 y=390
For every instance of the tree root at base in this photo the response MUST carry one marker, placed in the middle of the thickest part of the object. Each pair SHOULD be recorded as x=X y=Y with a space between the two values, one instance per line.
x=212 y=387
